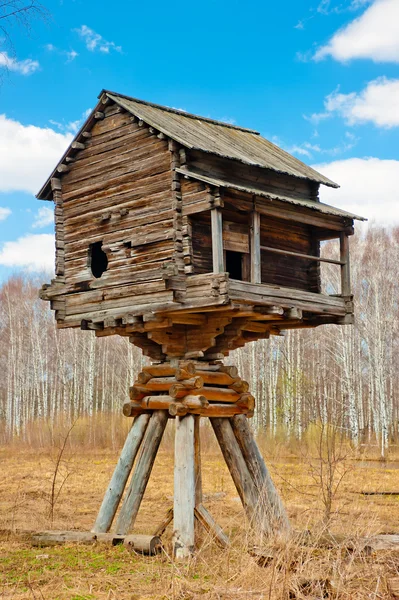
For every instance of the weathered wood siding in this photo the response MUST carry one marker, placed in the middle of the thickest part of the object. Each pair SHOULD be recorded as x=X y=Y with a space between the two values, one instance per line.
x=270 y=181
x=287 y=271
x=119 y=192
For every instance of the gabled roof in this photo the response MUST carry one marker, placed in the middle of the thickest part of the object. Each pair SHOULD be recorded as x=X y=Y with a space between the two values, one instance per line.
x=216 y=137
x=207 y=135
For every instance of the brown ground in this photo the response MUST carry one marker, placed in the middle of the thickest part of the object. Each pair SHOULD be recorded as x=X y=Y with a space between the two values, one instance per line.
x=79 y=572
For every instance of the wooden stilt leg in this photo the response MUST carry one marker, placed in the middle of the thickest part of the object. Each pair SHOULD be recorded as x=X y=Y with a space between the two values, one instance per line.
x=120 y=476
x=270 y=506
x=142 y=471
x=197 y=461
x=237 y=467
x=184 y=483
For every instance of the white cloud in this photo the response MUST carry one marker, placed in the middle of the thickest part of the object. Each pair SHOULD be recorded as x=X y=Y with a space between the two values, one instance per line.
x=378 y=103
x=307 y=149
x=23 y=67
x=4 y=213
x=369 y=187
x=33 y=252
x=44 y=217
x=71 y=55
x=72 y=126
x=95 y=42
x=374 y=35
x=326 y=7
x=28 y=154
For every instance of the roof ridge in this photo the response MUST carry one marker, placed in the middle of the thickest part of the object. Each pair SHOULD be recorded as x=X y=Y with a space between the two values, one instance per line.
x=180 y=112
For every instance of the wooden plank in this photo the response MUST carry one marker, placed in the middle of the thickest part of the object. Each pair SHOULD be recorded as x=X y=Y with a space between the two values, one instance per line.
x=217 y=240
x=270 y=507
x=120 y=476
x=345 y=268
x=207 y=521
x=300 y=255
x=286 y=297
x=161 y=528
x=255 y=248
x=184 y=489
x=142 y=472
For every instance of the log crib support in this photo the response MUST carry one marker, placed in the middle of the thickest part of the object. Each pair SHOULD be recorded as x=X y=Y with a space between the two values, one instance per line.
x=186 y=391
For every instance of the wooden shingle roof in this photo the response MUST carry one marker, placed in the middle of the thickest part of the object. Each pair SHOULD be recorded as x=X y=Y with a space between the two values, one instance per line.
x=221 y=139
x=203 y=134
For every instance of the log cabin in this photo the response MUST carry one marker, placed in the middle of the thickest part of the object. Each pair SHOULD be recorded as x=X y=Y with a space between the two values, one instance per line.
x=188 y=235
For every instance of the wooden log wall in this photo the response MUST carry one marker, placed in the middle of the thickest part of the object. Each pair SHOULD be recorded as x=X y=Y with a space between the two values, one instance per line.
x=119 y=190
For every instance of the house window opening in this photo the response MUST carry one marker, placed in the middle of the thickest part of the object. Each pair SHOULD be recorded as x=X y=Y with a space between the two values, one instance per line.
x=98 y=261
x=234 y=264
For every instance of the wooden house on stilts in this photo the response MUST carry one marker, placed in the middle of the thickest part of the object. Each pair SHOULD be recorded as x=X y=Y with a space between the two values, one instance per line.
x=192 y=237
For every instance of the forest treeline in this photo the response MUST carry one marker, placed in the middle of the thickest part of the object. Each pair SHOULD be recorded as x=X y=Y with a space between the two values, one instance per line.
x=346 y=375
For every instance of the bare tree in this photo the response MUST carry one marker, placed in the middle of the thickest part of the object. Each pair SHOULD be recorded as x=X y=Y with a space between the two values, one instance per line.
x=17 y=13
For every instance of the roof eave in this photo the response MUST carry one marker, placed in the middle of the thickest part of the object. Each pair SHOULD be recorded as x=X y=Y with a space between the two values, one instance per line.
x=45 y=193
x=262 y=193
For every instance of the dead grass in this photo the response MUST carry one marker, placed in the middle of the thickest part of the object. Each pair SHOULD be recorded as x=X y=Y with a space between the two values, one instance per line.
x=98 y=572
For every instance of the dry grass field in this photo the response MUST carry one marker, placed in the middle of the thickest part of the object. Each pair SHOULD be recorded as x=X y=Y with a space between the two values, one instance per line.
x=78 y=572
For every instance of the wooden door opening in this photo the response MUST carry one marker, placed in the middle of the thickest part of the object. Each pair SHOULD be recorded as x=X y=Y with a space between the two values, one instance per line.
x=234 y=265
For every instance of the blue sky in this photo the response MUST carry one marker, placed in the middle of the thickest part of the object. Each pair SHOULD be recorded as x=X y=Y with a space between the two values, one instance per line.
x=320 y=78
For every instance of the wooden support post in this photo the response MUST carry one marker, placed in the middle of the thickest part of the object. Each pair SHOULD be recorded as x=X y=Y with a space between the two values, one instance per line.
x=345 y=267
x=217 y=240
x=121 y=474
x=197 y=461
x=142 y=471
x=184 y=493
x=270 y=507
x=236 y=464
x=256 y=276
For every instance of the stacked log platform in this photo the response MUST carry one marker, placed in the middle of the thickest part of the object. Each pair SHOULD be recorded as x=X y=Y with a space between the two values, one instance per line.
x=198 y=388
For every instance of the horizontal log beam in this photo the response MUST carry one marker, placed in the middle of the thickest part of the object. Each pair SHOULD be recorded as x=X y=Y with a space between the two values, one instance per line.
x=300 y=255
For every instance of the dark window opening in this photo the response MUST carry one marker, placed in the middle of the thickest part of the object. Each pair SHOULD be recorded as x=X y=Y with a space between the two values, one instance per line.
x=234 y=264
x=98 y=261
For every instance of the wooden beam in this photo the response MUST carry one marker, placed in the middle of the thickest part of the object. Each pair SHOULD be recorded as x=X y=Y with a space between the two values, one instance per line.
x=280 y=210
x=143 y=544
x=345 y=265
x=237 y=466
x=270 y=507
x=300 y=255
x=142 y=471
x=120 y=476
x=184 y=489
x=207 y=521
x=255 y=248
x=217 y=240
